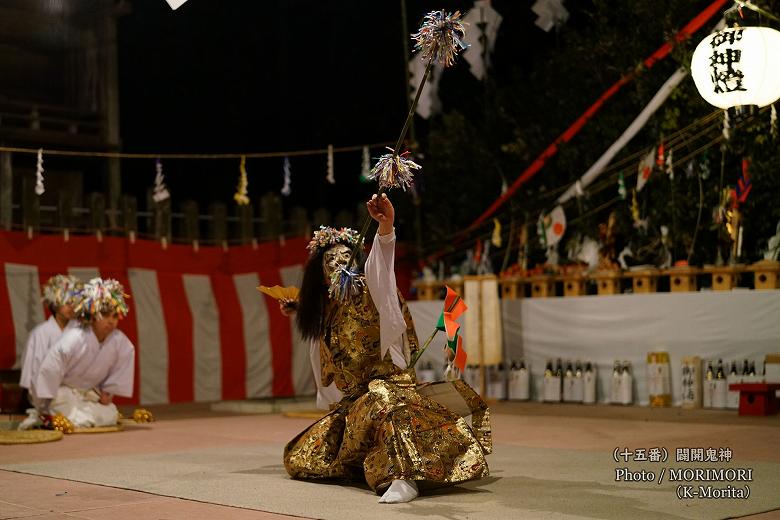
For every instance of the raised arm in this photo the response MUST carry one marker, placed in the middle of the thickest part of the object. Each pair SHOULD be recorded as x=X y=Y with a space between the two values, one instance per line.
x=380 y=277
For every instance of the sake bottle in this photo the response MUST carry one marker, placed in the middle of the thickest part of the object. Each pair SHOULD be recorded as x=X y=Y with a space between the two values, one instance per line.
x=523 y=382
x=721 y=388
x=579 y=388
x=709 y=386
x=499 y=389
x=614 y=390
x=626 y=384
x=568 y=382
x=589 y=384
x=732 y=399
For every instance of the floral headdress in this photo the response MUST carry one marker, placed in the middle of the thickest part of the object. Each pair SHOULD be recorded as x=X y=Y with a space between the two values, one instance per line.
x=328 y=236
x=61 y=289
x=101 y=298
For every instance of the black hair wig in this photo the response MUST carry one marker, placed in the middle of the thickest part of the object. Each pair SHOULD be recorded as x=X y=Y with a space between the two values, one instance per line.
x=313 y=297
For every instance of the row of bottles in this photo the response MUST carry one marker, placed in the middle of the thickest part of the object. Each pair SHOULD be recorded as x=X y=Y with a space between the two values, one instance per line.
x=500 y=384
x=704 y=383
x=574 y=384
x=519 y=384
x=715 y=392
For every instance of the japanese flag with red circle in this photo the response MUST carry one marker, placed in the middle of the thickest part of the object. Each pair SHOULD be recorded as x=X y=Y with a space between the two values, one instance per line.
x=555 y=226
x=645 y=169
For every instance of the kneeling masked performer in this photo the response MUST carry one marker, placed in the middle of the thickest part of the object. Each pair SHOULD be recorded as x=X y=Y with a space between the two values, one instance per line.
x=379 y=429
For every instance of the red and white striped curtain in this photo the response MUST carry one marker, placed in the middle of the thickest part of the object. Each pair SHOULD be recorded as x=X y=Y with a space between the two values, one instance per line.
x=202 y=331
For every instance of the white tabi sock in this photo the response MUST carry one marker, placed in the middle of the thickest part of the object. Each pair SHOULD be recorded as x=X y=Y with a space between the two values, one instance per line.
x=400 y=491
x=32 y=419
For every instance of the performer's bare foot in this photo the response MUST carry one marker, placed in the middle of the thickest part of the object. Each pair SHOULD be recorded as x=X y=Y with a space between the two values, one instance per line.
x=400 y=491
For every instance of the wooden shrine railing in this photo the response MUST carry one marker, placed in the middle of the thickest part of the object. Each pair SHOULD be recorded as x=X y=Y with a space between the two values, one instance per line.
x=761 y=275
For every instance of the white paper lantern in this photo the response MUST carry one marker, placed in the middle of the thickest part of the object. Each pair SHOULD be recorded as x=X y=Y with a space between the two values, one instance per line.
x=175 y=4
x=739 y=66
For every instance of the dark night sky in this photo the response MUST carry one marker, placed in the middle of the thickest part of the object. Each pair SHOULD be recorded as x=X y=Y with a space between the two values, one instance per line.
x=233 y=76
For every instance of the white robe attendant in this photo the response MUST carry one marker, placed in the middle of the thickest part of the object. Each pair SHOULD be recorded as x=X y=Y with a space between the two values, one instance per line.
x=78 y=367
x=380 y=278
x=40 y=340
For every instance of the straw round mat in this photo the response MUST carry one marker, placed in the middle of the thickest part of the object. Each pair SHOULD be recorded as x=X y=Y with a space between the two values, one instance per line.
x=29 y=436
x=100 y=429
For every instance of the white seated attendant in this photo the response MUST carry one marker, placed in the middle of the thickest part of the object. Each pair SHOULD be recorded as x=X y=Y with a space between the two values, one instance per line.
x=90 y=363
x=59 y=295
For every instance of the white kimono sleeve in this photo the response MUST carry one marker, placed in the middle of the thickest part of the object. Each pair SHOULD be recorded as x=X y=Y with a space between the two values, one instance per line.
x=52 y=370
x=380 y=277
x=120 y=376
x=29 y=363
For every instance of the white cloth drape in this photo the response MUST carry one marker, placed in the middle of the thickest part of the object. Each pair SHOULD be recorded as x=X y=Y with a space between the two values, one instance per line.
x=728 y=325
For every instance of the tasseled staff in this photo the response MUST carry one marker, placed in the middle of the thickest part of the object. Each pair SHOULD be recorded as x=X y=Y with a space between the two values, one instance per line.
x=439 y=38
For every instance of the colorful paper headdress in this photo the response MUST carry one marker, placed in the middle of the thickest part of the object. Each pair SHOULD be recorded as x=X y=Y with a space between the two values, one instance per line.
x=61 y=289
x=328 y=236
x=101 y=298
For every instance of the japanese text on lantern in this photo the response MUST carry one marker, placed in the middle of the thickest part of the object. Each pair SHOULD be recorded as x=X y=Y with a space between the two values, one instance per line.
x=725 y=77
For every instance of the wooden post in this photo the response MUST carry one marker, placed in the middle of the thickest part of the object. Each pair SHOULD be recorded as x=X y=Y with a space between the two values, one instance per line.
x=162 y=220
x=149 y=220
x=246 y=229
x=644 y=281
x=97 y=208
x=218 y=223
x=270 y=216
x=129 y=215
x=608 y=282
x=190 y=225
x=108 y=84
x=299 y=222
x=724 y=278
x=322 y=218
x=682 y=279
x=511 y=287
x=6 y=190
x=31 y=213
x=767 y=274
x=362 y=212
x=573 y=285
x=427 y=290
x=542 y=286
x=65 y=210
x=345 y=218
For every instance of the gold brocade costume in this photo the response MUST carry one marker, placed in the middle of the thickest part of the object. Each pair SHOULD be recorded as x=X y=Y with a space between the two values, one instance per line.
x=383 y=429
